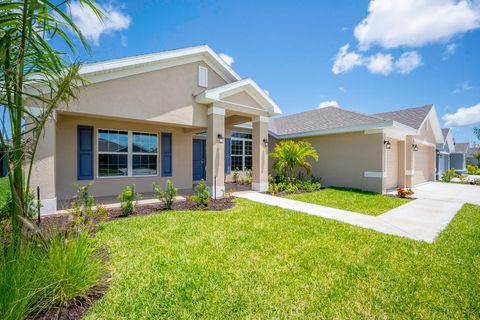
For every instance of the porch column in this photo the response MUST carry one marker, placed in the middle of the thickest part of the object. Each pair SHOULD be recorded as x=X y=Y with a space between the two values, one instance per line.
x=401 y=163
x=409 y=162
x=260 y=153
x=216 y=151
x=43 y=170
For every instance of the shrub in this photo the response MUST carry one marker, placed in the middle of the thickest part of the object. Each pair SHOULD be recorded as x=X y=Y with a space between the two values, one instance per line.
x=167 y=196
x=128 y=200
x=202 y=195
x=404 y=193
x=473 y=169
x=82 y=208
x=236 y=176
x=463 y=178
x=448 y=175
x=290 y=155
x=47 y=274
x=248 y=177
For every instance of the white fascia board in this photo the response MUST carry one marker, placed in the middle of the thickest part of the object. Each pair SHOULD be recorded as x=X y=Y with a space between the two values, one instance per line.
x=433 y=118
x=247 y=85
x=449 y=141
x=363 y=127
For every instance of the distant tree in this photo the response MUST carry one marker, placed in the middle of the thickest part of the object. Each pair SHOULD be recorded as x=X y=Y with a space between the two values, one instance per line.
x=290 y=155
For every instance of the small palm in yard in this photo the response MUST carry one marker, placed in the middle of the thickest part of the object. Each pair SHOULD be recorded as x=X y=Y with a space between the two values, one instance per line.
x=290 y=155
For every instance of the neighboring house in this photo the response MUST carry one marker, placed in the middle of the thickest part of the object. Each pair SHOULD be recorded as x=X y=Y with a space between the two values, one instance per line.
x=458 y=158
x=443 y=152
x=149 y=118
x=371 y=152
x=472 y=155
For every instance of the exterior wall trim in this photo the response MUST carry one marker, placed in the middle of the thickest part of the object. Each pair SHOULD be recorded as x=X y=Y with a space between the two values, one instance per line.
x=216 y=110
x=374 y=174
x=409 y=172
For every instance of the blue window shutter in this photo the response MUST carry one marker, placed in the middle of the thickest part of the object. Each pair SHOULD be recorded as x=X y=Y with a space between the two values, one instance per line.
x=85 y=153
x=227 y=155
x=166 y=154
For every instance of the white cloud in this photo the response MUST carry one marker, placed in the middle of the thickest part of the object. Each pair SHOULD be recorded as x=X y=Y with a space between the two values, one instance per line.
x=465 y=86
x=267 y=92
x=380 y=63
x=228 y=59
x=124 y=41
x=91 y=27
x=449 y=51
x=414 y=23
x=342 y=89
x=345 y=61
x=463 y=116
x=408 y=61
x=331 y=103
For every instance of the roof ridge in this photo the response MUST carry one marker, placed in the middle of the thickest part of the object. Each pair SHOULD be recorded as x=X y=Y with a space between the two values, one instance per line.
x=405 y=109
x=319 y=109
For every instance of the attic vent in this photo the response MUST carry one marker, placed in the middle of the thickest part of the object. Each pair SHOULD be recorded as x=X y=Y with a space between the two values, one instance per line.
x=202 y=77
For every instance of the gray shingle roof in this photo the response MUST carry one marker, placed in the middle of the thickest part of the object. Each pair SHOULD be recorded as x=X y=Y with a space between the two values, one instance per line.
x=461 y=147
x=412 y=117
x=320 y=119
x=445 y=132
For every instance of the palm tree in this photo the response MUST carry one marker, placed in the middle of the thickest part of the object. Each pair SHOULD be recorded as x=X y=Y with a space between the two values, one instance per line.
x=290 y=155
x=33 y=71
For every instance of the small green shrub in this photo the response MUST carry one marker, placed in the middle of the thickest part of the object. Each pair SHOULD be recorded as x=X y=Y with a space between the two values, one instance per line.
x=167 y=196
x=248 y=176
x=128 y=200
x=202 y=195
x=473 y=169
x=82 y=208
x=448 y=175
x=236 y=176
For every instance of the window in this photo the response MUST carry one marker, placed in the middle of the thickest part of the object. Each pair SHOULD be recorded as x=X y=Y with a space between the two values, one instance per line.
x=126 y=153
x=241 y=151
x=202 y=77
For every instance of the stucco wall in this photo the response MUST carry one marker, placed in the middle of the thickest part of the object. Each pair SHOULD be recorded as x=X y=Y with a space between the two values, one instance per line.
x=344 y=159
x=424 y=164
x=166 y=95
x=66 y=157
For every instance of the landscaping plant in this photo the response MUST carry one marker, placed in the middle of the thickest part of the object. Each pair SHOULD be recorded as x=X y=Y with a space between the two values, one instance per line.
x=82 y=208
x=167 y=196
x=292 y=155
x=128 y=200
x=473 y=169
x=404 y=193
x=202 y=195
x=236 y=176
x=448 y=175
x=34 y=73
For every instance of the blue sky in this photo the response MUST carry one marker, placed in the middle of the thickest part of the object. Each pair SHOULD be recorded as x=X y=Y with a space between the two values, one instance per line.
x=290 y=48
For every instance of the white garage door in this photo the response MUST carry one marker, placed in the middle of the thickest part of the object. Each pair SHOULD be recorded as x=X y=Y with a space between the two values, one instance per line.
x=424 y=164
x=392 y=166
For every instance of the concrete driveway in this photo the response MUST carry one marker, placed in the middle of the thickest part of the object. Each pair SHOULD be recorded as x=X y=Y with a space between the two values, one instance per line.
x=452 y=192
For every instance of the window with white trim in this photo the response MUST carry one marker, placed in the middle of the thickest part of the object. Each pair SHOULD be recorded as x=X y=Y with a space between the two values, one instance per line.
x=241 y=151
x=126 y=153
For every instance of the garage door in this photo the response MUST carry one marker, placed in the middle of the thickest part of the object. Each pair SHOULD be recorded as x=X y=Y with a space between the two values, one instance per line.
x=424 y=164
x=392 y=166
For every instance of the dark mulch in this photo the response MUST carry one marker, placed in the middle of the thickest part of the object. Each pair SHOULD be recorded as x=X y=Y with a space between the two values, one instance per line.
x=213 y=205
x=74 y=310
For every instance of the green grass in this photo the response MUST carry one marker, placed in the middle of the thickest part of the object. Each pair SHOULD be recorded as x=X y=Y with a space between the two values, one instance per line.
x=262 y=262
x=4 y=190
x=351 y=199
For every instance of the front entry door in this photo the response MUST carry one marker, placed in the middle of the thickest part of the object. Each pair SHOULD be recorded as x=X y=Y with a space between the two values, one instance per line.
x=199 y=164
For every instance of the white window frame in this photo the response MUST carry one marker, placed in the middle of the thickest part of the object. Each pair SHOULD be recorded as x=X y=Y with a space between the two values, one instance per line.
x=202 y=77
x=129 y=154
x=243 y=155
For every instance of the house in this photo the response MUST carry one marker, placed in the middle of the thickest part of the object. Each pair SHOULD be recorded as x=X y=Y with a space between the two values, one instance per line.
x=458 y=158
x=149 y=118
x=443 y=152
x=472 y=155
x=370 y=152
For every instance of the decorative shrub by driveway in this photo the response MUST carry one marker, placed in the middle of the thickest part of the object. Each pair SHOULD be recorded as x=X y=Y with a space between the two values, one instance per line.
x=258 y=261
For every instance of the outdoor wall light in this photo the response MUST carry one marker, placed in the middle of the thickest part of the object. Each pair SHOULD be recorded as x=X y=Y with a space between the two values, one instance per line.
x=415 y=147
x=220 y=138
x=387 y=144
x=265 y=142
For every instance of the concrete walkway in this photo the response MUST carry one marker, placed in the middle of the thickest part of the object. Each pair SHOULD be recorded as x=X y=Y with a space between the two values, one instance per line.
x=421 y=219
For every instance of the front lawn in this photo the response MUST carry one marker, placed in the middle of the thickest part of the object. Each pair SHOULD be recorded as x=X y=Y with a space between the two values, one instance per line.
x=4 y=191
x=259 y=261
x=355 y=200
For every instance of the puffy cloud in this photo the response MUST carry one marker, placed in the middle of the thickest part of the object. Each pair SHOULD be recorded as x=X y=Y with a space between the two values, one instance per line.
x=345 y=61
x=380 y=63
x=91 y=27
x=331 y=103
x=465 y=86
x=463 y=116
x=342 y=89
x=414 y=23
x=228 y=59
x=408 y=61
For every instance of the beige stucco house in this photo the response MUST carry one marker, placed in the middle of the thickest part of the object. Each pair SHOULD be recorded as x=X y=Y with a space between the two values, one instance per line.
x=185 y=115
x=149 y=118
